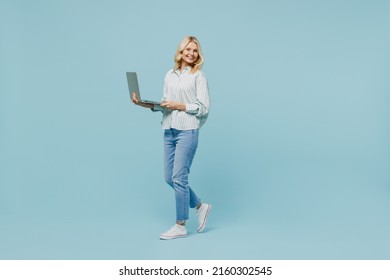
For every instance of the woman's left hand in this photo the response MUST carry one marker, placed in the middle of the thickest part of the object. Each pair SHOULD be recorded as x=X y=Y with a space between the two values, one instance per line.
x=171 y=105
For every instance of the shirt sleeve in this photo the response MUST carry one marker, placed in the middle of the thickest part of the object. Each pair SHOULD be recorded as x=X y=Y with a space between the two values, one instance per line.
x=157 y=108
x=201 y=107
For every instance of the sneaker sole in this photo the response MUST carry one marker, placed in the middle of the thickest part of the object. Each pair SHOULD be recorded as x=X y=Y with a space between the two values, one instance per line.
x=201 y=228
x=172 y=237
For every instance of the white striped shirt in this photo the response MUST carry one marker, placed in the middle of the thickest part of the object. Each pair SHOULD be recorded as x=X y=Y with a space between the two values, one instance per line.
x=190 y=89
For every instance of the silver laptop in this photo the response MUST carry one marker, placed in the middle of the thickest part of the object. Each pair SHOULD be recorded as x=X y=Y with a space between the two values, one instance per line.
x=132 y=81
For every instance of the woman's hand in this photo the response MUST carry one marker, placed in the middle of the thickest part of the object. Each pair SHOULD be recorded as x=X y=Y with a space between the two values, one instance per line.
x=135 y=100
x=171 y=105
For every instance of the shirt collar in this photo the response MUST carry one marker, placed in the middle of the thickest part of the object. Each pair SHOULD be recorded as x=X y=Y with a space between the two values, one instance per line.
x=186 y=69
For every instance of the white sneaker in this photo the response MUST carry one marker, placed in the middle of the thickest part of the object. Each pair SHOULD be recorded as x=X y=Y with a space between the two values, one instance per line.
x=202 y=213
x=174 y=232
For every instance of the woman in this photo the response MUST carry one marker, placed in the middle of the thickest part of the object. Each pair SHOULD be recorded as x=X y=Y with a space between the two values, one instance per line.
x=185 y=107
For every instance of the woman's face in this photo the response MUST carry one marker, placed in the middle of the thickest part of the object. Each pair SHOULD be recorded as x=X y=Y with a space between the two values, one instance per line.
x=190 y=53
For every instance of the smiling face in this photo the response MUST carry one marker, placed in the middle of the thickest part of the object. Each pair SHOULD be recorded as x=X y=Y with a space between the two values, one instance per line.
x=190 y=54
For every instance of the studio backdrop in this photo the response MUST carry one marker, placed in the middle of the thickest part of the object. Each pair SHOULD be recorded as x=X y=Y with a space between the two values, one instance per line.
x=294 y=156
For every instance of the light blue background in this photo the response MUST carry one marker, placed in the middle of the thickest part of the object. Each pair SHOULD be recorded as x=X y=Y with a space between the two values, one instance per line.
x=294 y=157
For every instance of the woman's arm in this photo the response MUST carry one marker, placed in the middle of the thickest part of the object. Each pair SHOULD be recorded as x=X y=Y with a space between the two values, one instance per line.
x=201 y=107
x=171 y=105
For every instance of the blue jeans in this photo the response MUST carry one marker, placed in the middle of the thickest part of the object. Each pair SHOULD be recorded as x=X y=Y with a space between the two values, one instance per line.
x=179 y=151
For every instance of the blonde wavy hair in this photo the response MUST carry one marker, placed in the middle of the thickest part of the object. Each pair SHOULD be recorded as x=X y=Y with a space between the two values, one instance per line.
x=178 y=58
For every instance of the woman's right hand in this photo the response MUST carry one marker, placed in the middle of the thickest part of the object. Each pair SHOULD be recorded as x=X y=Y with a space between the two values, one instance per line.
x=135 y=100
